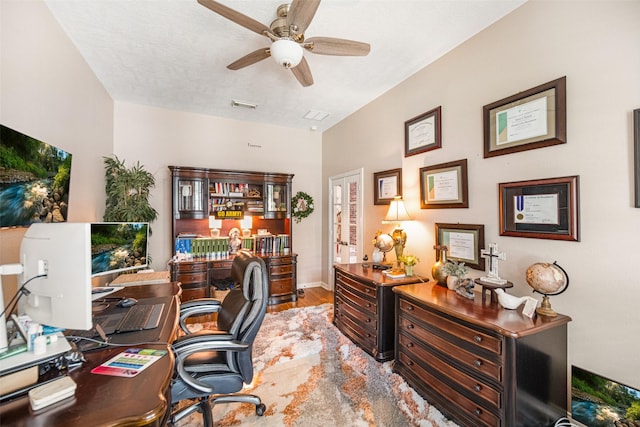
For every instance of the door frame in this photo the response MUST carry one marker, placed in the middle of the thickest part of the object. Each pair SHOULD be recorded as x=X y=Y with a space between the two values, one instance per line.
x=360 y=221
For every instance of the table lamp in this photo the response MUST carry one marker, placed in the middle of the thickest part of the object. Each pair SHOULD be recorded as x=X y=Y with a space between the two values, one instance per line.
x=396 y=214
x=246 y=223
x=214 y=226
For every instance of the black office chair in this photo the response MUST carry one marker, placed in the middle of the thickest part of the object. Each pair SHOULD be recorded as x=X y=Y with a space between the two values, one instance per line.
x=213 y=366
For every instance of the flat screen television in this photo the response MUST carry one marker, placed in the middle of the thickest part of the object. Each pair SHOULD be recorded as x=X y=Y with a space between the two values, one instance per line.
x=597 y=401
x=34 y=185
x=118 y=247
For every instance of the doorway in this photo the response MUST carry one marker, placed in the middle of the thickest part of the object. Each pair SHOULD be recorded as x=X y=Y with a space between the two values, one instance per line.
x=345 y=220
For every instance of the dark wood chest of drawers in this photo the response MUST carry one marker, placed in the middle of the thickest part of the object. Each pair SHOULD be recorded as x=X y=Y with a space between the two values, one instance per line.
x=364 y=307
x=480 y=364
x=282 y=278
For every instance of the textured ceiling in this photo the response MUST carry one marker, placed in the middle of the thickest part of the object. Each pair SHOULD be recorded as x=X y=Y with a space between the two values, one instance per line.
x=173 y=53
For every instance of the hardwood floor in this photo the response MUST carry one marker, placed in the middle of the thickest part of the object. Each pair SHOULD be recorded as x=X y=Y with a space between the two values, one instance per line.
x=312 y=296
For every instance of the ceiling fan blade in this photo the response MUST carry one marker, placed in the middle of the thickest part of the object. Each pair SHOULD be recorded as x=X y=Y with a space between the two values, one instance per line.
x=339 y=47
x=250 y=59
x=300 y=14
x=235 y=16
x=303 y=73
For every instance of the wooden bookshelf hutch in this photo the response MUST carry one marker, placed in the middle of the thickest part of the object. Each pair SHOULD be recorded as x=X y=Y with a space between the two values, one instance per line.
x=199 y=194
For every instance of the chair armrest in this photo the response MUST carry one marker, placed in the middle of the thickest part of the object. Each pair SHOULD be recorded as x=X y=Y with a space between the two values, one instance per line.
x=196 y=344
x=197 y=307
x=201 y=337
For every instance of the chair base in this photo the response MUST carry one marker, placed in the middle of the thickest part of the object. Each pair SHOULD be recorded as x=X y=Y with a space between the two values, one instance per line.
x=205 y=405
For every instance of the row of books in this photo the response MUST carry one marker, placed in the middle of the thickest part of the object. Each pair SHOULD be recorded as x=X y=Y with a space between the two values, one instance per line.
x=232 y=189
x=203 y=247
x=272 y=244
x=219 y=247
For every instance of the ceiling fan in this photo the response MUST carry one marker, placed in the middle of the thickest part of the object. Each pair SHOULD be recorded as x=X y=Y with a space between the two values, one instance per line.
x=287 y=36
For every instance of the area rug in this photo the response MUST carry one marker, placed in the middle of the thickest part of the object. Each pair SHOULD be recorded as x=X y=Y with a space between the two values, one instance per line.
x=309 y=374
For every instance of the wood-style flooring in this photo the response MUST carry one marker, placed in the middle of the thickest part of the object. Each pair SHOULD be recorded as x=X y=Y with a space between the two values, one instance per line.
x=312 y=296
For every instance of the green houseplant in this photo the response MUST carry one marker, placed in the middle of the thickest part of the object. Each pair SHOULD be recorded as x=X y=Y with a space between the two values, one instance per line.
x=455 y=273
x=127 y=191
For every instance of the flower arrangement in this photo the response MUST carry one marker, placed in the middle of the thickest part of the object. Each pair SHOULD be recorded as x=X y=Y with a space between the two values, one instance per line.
x=302 y=205
x=453 y=268
x=409 y=260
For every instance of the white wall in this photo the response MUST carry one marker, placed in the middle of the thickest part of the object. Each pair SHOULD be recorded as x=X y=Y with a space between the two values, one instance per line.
x=159 y=138
x=596 y=45
x=48 y=92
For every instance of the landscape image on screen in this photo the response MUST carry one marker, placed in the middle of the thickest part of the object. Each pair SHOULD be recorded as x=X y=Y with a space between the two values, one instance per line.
x=34 y=180
x=117 y=247
x=600 y=402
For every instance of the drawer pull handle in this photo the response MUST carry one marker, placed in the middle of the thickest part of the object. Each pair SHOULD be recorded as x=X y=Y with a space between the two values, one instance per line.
x=410 y=362
x=410 y=307
x=477 y=387
x=477 y=338
x=410 y=326
x=410 y=344
x=368 y=320
x=368 y=305
x=477 y=363
x=367 y=290
x=478 y=412
x=368 y=335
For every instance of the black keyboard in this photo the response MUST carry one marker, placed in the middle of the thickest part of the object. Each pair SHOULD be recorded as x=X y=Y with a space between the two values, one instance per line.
x=141 y=316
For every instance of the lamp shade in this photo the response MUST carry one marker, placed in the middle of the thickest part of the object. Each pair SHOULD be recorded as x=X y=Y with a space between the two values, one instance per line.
x=286 y=53
x=247 y=222
x=214 y=223
x=397 y=212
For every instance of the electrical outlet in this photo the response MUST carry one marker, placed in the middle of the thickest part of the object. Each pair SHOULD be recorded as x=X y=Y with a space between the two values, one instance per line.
x=43 y=267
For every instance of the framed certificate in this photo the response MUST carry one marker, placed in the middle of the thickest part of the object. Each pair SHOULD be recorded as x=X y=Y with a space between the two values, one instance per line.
x=444 y=185
x=531 y=119
x=464 y=243
x=423 y=133
x=540 y=209
x=386 y=185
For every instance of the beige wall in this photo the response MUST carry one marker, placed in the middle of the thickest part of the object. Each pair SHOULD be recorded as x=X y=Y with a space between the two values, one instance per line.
x=48 y=92
x=594 y=44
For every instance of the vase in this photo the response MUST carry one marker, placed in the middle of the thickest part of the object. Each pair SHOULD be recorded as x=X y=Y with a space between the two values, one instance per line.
x=408 y=270
x=437 y=270
x=453 y=282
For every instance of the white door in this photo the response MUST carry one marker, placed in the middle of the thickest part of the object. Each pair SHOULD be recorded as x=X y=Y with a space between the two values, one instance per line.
x=345 y=218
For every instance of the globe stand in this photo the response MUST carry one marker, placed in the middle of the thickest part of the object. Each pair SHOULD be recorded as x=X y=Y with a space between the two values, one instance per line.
x=545 y=308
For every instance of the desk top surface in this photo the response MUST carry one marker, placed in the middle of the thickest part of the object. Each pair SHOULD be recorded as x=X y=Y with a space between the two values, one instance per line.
x=102 y=400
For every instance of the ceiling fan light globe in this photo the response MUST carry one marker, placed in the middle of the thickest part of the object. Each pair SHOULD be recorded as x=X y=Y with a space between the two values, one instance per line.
x=286 y=53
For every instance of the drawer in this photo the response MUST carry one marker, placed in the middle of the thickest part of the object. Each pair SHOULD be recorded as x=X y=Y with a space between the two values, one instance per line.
x=472 y=411
x=188 y=278
x=476 y=338
x=446 y=370
x=191 y=267
x=189 y=294
x=464 y=358
x=365 y=304
x=349 y=283
x=281 y=286
x=281 y=269
x=366 y=319
x=281 y=260
x=364 y=338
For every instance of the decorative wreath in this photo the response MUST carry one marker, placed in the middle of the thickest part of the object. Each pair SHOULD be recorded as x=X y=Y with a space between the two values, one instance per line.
x=302 y=205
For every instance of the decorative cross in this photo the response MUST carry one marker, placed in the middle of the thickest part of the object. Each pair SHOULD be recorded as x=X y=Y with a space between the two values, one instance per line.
x=493 y=256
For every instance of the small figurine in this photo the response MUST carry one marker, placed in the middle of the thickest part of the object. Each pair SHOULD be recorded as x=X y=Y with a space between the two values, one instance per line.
x=466 y=288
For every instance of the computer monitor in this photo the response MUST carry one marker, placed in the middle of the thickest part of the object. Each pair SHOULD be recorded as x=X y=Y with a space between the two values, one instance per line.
x=118 y=247
x=56 y=259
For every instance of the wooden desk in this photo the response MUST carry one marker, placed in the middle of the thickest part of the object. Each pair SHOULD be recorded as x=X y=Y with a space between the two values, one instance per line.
x=102 y=400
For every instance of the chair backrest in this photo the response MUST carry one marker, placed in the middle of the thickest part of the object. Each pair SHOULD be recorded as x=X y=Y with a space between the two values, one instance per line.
x=243 y=309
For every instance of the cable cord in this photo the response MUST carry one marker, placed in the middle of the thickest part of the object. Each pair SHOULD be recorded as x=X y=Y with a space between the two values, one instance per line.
x=21 y=291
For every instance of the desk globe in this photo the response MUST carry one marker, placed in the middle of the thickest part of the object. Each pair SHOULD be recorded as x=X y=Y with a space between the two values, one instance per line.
x=384 y=243
x=547 y=279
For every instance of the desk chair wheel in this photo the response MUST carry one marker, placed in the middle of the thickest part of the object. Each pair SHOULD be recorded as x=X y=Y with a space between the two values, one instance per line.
x=261 y=409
